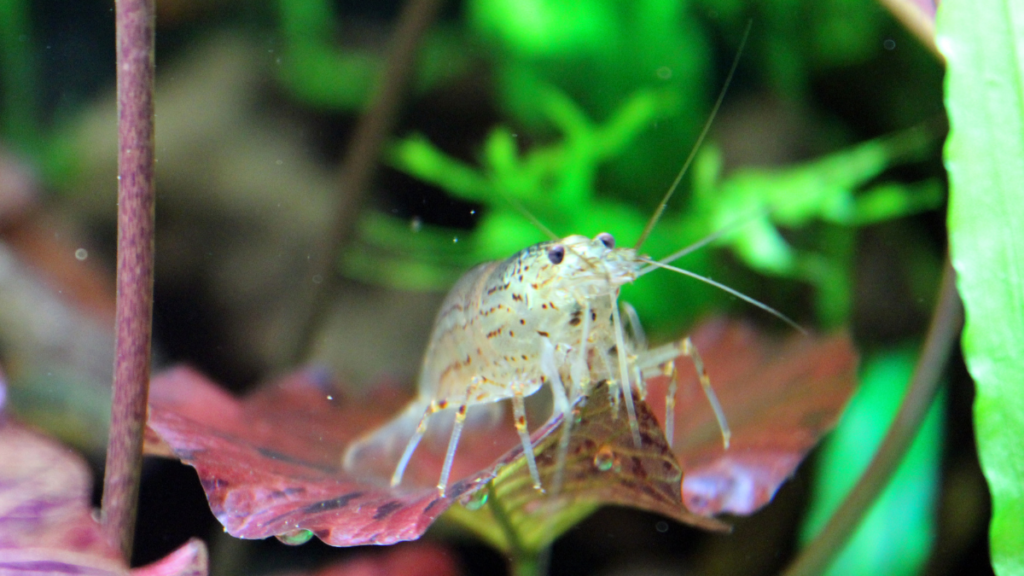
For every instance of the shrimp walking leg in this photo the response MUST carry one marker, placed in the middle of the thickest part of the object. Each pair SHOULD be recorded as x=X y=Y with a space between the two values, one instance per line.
x=663 y=358
x=549 y=369
x=453 y=443
x=580 y=369
x=670 y=401
x=562 y=404
x=624 y=382
x=421 y=429
x=519 y=413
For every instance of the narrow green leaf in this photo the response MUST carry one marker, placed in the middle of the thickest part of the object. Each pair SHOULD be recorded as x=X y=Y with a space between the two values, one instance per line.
x=983 y=42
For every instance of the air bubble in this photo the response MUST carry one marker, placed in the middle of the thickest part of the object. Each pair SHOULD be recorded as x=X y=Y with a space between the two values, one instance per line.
x=477 y=500
x=295 y=537
x=604 y=460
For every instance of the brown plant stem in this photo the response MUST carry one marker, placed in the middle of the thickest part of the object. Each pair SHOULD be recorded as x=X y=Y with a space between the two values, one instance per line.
x=942 y=334
x=360 y=163
x=135 y=21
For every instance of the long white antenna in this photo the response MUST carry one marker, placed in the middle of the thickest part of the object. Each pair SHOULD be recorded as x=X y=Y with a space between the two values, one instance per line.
x=707 y=239
x=529 y=215
x=700 y=139
x=724 y=288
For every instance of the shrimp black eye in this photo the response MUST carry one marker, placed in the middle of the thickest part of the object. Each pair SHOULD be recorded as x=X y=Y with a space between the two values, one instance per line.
x=556 y=254
x=607 y=239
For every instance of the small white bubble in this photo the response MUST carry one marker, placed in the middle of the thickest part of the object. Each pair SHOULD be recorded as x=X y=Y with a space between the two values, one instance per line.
x=317 y=279
x=889 y=44
x=661 y=527
x=664 y=72
x=455 y=240
x=416 y=224
x=472 y=212
x=81 y=254
x=329 y=397
x=279 y=162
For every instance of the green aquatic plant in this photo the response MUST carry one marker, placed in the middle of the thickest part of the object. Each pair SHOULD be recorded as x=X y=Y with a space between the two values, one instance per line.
x=984 y=155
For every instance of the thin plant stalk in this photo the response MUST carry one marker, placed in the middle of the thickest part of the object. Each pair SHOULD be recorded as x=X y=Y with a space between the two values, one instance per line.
x=360 y=163
x=135 y=20
x=942 y=335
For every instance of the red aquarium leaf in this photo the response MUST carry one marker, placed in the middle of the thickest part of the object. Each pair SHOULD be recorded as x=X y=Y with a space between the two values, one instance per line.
x=602 y=466
x=46 y=523
x=271 y=463
x=188 y=560
x=779 y=397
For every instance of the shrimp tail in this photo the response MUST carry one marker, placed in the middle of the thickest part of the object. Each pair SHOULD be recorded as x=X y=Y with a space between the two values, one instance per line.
x=376 y=454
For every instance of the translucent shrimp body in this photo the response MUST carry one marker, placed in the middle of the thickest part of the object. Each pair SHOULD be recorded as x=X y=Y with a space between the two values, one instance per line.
x=547 y=315
x=543 y=316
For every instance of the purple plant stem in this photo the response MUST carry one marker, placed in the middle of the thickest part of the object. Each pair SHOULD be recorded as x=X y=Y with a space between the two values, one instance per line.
x=945 y=327
x=135 y=21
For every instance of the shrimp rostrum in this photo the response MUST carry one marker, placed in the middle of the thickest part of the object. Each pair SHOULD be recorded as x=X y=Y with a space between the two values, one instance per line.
x=548 y=315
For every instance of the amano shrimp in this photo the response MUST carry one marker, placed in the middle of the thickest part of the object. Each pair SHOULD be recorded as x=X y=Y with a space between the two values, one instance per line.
x=548 y=315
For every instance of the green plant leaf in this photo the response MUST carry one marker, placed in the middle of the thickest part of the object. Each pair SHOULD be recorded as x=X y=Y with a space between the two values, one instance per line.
x=983 y=42
x=558 y=183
